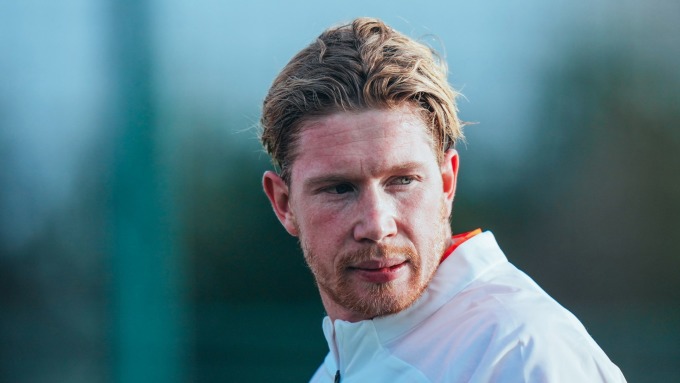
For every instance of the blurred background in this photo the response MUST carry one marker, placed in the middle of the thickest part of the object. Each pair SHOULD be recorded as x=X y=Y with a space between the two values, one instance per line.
x=136 y=244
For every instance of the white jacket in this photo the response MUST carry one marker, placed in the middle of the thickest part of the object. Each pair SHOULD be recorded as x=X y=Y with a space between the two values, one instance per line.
x=479 y=320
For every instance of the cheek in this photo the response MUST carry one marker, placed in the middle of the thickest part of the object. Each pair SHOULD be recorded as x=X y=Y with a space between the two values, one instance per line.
x=318 y=212
x=422 y=214
x=419 y=206
x=314 y=218
x=320 y=227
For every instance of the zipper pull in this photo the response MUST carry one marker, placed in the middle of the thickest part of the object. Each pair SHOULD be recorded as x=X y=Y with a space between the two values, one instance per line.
x=337 y=377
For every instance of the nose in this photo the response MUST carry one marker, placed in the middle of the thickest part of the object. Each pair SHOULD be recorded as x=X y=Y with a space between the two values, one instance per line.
x=376 y=216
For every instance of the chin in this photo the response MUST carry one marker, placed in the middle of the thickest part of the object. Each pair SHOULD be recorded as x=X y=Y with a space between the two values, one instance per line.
x=384 y=299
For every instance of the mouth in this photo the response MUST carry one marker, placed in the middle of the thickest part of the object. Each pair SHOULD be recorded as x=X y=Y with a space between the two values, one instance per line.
x=380 y=271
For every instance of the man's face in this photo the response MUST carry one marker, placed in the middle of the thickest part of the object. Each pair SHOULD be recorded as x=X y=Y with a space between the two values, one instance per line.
x=370 y=203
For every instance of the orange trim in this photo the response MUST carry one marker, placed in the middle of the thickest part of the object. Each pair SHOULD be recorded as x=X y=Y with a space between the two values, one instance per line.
x=458 y=240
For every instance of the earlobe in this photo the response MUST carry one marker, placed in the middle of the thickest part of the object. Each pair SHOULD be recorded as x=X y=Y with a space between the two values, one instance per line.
x=449 y=169
x=277 y=191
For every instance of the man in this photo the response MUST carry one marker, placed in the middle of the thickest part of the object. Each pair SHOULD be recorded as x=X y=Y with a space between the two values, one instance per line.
x=362 y=125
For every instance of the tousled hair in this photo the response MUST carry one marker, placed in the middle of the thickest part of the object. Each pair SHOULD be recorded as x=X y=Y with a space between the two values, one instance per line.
x=358 y=66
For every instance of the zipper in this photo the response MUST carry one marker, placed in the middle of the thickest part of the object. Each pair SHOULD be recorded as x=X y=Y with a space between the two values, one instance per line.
x=336 y=350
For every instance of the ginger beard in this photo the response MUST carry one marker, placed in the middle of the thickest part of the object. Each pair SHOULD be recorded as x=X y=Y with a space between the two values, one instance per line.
x=371 y=300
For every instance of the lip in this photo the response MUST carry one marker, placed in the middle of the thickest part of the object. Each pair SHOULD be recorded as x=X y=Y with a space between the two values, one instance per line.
x=382 y=271
x=372 y=264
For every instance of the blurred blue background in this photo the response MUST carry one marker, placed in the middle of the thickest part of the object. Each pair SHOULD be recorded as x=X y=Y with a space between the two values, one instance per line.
x=137 y=246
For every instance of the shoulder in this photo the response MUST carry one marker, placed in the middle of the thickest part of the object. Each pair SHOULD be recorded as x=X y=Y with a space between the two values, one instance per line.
x=504 y=325
x=325 y=372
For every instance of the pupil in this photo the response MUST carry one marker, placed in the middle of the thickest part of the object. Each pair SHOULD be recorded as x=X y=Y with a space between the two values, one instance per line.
x=341 y=189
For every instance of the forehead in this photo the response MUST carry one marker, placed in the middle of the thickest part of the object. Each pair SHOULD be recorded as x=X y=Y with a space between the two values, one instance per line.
x=368 y=139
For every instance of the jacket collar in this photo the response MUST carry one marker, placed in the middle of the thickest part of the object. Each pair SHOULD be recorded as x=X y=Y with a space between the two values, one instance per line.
x=467 y=262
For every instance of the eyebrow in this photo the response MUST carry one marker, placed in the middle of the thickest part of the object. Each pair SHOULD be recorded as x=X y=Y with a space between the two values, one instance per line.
x=331 y=178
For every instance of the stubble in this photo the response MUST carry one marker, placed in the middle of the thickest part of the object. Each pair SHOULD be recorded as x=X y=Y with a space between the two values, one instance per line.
x=370 y=300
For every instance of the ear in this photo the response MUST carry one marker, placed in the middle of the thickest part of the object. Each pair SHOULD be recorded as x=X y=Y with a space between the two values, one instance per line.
x=449 y=170
x=277 y=191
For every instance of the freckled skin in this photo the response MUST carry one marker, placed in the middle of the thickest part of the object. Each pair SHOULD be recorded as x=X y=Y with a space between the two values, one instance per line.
x=370 y=203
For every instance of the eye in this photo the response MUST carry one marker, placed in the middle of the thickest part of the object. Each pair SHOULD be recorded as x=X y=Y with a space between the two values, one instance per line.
x=403 y=180
x=341 y=188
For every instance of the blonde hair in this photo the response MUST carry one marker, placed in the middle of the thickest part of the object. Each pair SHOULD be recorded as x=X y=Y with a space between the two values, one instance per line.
x=358 y=66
